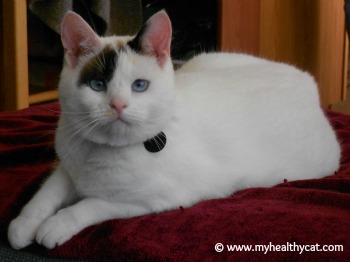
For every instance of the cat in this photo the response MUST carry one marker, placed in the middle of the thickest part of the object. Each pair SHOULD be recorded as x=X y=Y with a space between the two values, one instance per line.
x=136 y=137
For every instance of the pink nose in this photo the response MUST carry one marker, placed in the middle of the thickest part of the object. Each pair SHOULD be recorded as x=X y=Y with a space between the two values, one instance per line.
x=118 y=104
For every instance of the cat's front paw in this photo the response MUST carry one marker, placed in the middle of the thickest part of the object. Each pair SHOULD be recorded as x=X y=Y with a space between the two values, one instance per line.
x=57 y=229
x=22 y=230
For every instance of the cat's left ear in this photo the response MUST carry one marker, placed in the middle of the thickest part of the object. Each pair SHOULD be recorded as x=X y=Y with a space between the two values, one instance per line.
x=155 y=38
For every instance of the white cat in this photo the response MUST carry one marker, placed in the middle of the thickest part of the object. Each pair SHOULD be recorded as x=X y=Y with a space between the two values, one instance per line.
x=135 y=137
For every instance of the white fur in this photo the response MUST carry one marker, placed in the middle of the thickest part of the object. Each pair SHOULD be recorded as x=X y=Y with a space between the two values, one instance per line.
x=232 y=121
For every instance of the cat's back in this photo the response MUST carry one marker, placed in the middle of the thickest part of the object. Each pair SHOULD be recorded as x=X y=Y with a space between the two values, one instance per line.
x=219 y=60
x=242 y=69
x=266 y=109
x=245 y=81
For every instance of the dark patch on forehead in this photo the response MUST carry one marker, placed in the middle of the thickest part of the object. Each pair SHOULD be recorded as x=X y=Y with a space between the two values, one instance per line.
x=136 y=43
x=100 y=67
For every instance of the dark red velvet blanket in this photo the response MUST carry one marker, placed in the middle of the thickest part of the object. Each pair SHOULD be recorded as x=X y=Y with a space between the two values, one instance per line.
x=310 y=212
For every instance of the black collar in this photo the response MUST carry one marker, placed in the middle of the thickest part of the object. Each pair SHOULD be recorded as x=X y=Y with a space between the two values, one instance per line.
x=155 y=144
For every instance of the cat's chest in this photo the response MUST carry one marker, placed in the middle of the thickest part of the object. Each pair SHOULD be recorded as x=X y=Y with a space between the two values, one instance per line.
x=104 y=159
x=108 y=171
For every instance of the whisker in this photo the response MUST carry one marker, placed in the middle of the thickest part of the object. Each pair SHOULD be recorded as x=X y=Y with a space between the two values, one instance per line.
x=71 y=130
x=51 y=110
x=65 y=112
x=74 y=113
x=98 y=65
x=104 y=60
x=158 y=145
x=91 y=125
x=89 y=14
x=76 y=121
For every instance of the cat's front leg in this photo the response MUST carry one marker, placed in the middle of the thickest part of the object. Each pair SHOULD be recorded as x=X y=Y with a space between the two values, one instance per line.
x=56 y=190
x=71 y=220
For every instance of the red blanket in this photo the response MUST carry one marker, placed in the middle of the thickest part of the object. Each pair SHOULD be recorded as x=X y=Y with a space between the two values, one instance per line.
x=291 y=218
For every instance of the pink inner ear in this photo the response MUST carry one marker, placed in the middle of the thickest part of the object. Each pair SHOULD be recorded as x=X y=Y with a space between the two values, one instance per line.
x=157 y=38
x=77 y=37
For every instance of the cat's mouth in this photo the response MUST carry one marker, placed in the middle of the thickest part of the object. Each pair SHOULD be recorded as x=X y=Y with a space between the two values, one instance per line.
x=118 y=119
x=115 y=118
x=122 y=120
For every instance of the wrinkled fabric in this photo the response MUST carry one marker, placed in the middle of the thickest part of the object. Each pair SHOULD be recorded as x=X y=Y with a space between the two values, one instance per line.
x=306 y=212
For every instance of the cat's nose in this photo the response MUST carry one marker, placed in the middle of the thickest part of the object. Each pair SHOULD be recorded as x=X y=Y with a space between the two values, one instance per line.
x=118 y=104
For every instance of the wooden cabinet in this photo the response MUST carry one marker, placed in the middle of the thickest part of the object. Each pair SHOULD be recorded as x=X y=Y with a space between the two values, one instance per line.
x=14 y=93
x=14 y=87
x=307 y=33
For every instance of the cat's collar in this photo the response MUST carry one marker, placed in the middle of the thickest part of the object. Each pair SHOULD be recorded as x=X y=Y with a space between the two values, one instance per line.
x=156 y=143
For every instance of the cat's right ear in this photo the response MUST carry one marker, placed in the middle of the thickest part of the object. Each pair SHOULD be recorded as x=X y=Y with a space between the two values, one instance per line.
x=77 y=37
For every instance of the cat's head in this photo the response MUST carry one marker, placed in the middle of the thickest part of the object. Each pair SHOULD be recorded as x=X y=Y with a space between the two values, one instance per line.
x=117 y=90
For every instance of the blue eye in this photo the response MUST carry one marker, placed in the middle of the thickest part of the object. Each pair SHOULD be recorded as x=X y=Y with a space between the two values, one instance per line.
x=140 y=85
x=98 y=85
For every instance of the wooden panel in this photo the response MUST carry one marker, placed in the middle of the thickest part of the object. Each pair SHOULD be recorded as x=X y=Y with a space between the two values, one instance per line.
x=14 y=88
x=311 y=35
x=43 y=97
x=332 y=51
x=307 y=33
x=1 y=54
x=288 y=31
x=239 y=26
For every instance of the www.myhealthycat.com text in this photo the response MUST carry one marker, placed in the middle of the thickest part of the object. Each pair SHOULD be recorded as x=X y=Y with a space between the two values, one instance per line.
x=288 y=247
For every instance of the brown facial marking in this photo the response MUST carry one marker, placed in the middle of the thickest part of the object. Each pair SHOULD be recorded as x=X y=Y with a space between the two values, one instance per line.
x=100 y=67
x=120 y=45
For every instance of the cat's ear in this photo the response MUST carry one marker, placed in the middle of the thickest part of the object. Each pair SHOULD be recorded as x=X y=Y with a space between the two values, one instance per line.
x=77 y=37
x=154 y=38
